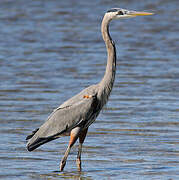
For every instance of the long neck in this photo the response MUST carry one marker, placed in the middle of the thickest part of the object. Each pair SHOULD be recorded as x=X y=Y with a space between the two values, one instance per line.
x=106 y=84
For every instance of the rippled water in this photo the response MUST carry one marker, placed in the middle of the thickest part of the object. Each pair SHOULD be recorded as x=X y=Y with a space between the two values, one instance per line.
x=50 y=50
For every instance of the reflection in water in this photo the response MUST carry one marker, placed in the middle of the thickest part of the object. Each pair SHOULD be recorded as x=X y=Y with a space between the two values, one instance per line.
x=50 y=50
x=66 y=175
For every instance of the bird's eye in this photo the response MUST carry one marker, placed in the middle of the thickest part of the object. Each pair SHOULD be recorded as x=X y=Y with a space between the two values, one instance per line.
x=120 y=13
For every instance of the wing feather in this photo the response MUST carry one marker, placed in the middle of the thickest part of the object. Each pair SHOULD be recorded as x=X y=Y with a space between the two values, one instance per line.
x=63 y=120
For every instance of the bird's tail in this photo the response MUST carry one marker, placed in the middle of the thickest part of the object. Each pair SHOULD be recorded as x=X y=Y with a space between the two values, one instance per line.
x=38 y=142
x=34 y=140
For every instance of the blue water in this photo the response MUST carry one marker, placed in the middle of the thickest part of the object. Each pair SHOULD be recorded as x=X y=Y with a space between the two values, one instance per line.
x=51 y=50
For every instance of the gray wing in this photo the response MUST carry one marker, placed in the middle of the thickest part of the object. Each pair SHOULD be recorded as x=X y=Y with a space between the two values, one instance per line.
x=77 y=110
x=91 y=90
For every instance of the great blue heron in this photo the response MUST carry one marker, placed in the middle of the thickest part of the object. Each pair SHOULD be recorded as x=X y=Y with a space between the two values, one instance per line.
x=75 y=115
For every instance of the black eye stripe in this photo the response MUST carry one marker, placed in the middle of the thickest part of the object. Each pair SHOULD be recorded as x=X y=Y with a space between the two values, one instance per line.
x=116 y=10
x=112 y=10
x=120 y=13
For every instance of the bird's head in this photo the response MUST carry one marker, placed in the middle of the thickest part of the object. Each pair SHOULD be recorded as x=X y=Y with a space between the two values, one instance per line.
x=117 y=13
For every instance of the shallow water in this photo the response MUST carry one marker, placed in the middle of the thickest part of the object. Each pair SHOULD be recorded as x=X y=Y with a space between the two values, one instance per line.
x=50 y=50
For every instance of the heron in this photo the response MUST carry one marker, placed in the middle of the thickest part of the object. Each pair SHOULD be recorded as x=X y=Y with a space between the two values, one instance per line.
x=74 y=116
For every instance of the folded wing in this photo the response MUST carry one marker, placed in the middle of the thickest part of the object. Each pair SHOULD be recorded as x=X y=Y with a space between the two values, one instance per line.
x=63 y=120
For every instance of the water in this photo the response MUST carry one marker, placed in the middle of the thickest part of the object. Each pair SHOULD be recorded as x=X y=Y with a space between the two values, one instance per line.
x=50 y=50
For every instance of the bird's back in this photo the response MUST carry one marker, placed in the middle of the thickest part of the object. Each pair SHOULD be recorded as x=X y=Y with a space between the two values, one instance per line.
x=91 y=90
x=79 y=110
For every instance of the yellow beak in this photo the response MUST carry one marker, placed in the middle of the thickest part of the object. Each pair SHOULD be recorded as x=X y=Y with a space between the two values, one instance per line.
x=139 y=13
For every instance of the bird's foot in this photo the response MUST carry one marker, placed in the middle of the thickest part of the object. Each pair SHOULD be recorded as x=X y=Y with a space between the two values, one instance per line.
x=62 y=165
x=78 y=163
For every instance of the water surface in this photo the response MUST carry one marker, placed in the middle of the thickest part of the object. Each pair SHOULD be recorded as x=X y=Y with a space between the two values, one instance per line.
x=50 y=50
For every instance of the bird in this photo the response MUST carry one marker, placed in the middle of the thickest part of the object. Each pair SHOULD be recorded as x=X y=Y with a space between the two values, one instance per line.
x=74 y=116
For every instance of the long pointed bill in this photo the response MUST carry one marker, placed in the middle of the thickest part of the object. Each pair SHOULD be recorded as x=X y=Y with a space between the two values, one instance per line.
x=139 y=13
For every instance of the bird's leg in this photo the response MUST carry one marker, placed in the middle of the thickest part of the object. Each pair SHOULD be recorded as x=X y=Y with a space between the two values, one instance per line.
x=73 y=137
x=82 y=136
x=63 y=161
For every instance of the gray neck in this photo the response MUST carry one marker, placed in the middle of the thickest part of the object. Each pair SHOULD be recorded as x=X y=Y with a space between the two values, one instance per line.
x=106 y=84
